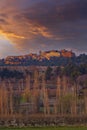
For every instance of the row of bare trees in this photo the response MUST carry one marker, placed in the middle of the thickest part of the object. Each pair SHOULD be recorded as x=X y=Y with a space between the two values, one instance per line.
x=67 y=100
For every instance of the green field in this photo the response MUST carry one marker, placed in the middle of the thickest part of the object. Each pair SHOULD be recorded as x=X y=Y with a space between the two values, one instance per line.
x=47 y=128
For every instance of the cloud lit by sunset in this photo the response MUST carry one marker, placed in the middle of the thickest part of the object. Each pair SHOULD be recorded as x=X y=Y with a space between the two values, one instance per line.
x=29 y=26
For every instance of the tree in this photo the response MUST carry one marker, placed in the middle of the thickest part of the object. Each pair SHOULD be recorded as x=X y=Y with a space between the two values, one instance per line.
x=58 y=71
x=48 y=73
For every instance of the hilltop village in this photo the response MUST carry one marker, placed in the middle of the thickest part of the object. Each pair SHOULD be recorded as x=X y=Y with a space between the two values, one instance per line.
x=43 y=58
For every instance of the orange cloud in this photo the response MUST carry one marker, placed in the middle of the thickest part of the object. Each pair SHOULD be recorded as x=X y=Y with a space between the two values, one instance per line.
x=11 y=35
x=43 y=23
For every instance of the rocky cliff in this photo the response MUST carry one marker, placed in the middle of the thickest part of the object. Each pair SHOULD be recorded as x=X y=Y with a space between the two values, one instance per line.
x=34 y=58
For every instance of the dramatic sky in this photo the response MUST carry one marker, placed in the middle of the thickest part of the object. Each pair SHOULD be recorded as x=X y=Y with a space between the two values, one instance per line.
x=32 y=25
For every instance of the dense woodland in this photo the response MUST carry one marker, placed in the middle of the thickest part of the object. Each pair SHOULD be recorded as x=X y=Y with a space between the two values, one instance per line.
x=70 y=70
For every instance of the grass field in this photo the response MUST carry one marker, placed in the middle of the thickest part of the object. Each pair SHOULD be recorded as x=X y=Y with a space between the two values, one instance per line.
x=47 y=128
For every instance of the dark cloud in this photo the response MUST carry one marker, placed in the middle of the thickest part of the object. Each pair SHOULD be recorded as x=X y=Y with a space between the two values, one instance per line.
x=57 y=16
x=45 y=23
x=52 y=13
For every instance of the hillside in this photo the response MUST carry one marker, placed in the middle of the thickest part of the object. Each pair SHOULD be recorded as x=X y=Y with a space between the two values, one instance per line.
x=46 y=58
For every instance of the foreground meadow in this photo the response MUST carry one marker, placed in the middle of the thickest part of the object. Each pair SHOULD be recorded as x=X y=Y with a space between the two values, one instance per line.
x=47 y=128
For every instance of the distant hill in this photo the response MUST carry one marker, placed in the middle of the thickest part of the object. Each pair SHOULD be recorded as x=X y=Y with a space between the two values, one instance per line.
x=46 y=58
